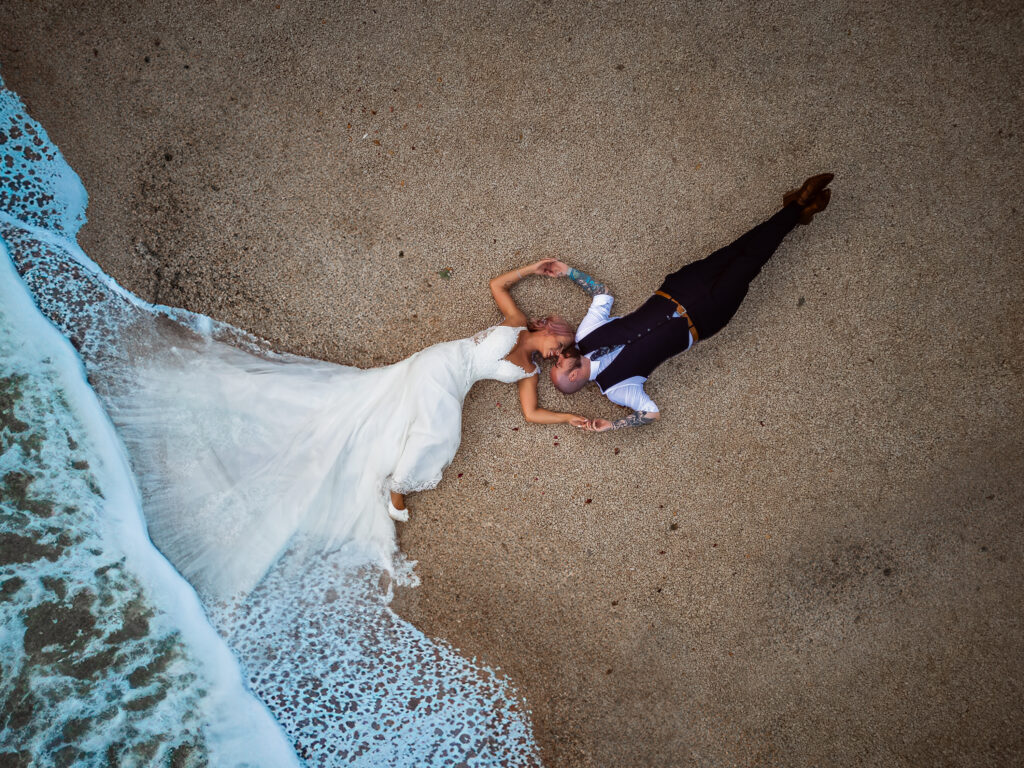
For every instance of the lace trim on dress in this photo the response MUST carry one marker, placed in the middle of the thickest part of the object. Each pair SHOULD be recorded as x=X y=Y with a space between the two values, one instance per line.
x=527 y=374
x=524 y=373
x=518 y=329
x=479 y=336
x=409 y=487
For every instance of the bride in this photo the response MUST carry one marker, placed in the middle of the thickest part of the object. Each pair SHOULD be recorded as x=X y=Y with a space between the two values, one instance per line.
x=521 y=340
x=239 y=453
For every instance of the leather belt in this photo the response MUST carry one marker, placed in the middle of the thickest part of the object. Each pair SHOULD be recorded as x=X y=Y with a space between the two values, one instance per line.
x=682 y=313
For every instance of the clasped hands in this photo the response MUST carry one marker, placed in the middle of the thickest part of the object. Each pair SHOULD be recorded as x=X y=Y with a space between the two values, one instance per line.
x=590 y=425
x=548 y=268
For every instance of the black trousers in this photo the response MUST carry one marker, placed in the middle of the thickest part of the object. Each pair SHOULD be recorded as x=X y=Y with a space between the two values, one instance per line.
x=711 y=289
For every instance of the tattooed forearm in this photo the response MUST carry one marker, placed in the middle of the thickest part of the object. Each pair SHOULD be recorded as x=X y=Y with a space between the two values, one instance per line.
x=586 y=282
x=635 y=419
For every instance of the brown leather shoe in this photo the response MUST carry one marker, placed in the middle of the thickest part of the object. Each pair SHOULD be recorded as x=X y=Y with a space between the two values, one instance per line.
x=808 y=190
x=817 y=205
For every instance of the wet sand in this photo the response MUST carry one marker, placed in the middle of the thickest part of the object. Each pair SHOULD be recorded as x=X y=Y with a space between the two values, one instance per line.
x=815 y=558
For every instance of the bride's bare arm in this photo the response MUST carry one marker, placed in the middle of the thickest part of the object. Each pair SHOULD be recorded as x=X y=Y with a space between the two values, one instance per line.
x=537 y=415
x=501 y=285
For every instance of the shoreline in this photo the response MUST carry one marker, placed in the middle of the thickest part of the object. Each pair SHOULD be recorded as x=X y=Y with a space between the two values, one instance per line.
x=815 y=555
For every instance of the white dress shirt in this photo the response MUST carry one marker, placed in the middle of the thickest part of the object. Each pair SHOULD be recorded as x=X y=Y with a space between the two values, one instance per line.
x=628 y=392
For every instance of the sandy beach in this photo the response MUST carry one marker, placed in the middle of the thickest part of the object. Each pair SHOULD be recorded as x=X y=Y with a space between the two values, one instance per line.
x=816 y=557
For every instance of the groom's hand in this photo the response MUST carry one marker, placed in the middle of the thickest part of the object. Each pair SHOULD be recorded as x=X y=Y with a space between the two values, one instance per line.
x=599 y=425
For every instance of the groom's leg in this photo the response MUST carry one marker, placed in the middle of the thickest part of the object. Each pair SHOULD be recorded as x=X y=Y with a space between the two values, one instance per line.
x=750 y=253
x=745 y=257
x=713 y=288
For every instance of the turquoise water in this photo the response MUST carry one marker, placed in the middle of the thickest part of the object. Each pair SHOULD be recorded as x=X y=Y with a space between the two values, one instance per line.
x=107 y=656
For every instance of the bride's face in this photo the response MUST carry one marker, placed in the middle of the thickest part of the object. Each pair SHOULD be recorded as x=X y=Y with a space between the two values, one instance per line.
x=551 y=344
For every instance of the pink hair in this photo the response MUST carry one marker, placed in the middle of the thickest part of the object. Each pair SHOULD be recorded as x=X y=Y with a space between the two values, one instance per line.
x=553 y=324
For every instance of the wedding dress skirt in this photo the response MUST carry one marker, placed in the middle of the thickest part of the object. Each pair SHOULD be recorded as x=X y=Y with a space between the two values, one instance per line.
x=236 y=453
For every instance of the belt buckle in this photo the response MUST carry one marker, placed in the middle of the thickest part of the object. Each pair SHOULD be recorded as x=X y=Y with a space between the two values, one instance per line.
x=679 y=307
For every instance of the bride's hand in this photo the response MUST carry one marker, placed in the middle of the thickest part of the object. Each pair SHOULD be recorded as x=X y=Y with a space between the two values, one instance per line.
x=579 y=422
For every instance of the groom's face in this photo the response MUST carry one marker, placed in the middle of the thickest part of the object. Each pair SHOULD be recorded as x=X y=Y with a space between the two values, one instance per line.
x=570 y=373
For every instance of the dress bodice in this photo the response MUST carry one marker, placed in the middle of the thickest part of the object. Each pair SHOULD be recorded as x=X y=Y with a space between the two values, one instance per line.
x=490 y=347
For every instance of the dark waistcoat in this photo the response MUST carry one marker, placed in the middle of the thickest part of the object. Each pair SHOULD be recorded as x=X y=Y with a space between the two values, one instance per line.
x=650 y=335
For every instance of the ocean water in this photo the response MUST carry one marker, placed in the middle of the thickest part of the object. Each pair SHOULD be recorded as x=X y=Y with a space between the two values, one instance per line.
x=107 y=655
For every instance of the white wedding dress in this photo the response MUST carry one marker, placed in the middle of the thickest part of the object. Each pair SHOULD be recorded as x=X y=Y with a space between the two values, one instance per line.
x=245 y=461
x=237 y=453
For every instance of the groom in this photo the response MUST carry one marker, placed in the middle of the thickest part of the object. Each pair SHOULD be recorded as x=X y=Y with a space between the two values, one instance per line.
x=692 y=303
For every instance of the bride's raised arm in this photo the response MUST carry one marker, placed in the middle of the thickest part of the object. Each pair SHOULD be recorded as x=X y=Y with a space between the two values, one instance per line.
x=501 y=284
x=537 y=415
